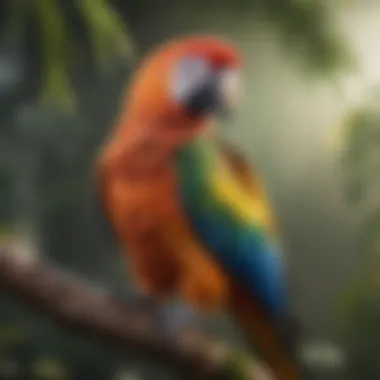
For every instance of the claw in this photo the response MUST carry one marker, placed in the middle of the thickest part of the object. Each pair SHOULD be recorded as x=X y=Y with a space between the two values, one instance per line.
x=171 y=318
x=175 y=318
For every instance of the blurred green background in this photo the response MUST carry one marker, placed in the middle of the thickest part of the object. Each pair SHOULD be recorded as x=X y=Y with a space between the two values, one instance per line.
x=310 y=120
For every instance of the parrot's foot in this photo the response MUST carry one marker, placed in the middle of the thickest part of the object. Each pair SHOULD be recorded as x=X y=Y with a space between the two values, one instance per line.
x=171 y=318
x=175 y=318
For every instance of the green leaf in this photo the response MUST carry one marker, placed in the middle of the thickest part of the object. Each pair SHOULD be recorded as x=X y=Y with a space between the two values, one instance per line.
x=55 y=37
x=109 y=36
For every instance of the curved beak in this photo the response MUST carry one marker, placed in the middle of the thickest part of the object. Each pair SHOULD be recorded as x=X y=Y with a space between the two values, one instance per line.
x=209 y=98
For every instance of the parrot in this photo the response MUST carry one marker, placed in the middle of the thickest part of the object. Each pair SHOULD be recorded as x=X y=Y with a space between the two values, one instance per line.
x=192 y=215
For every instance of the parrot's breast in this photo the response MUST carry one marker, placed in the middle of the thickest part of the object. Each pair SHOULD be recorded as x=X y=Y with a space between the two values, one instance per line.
x=228 y=222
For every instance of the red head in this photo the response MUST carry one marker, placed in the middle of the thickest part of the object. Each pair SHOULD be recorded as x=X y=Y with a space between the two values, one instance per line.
x=183 y=83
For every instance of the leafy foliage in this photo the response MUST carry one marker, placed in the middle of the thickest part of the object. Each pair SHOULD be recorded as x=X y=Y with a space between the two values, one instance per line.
x=66 y=32
x=304 y=27
x=54 y=24
x=307 y=30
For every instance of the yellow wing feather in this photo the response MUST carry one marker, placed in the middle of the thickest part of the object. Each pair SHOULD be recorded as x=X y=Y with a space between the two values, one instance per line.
x=239 y=186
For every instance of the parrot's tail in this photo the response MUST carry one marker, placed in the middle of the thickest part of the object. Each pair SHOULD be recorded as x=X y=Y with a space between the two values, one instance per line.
x=276 y=345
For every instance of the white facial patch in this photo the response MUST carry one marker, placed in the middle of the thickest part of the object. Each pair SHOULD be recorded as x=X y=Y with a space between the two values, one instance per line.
x=231 y=87
x=189 y=75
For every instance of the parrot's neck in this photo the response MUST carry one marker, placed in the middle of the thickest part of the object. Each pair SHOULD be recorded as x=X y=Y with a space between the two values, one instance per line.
x=195 y=162
x=201 y=151
x=144 y=154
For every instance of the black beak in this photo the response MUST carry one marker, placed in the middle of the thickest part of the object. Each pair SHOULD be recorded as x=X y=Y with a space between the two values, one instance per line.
x=207 y=99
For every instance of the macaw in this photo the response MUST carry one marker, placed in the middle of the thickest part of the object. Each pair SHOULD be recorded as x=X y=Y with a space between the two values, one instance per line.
x=191 y=214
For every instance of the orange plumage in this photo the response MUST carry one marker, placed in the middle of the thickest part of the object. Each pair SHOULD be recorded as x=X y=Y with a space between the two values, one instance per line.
x=139 y=187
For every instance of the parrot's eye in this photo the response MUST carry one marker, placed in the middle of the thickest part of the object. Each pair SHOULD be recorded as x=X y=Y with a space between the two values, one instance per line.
x=190 y=74
x=201 y=88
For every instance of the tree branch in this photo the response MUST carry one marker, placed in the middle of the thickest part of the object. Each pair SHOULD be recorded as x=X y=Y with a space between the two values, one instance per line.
x=80 y=306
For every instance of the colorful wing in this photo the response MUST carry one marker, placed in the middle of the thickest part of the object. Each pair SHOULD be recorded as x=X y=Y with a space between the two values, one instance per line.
x=230 y=214
x=248 y=177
